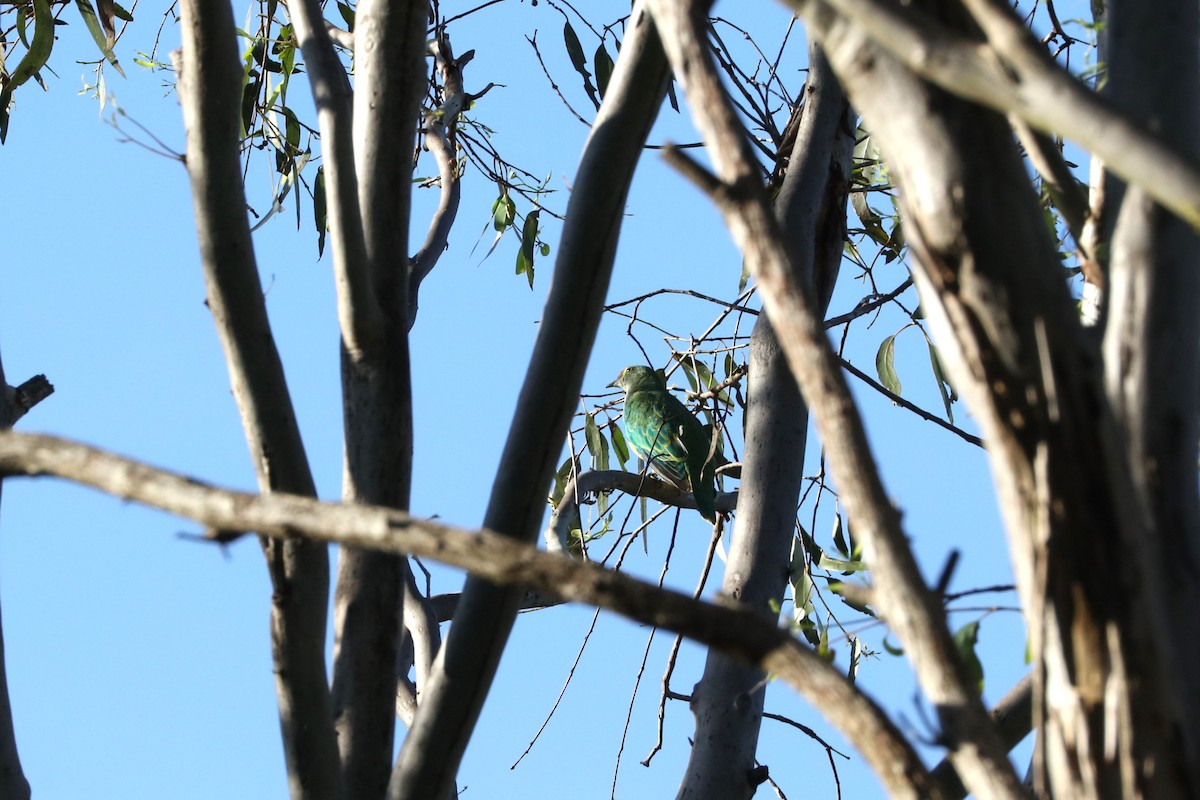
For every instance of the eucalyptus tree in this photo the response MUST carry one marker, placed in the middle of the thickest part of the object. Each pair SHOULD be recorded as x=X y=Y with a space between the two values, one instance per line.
x=1087 y=409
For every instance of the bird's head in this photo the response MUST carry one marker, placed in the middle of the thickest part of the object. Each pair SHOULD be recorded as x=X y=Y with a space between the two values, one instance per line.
x=638 y=377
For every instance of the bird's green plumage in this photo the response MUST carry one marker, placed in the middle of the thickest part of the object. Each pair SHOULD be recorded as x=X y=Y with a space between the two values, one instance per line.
x=670 y=439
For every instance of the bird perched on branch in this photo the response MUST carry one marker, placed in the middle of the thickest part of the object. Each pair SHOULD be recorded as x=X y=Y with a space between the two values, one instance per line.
x=669 y=438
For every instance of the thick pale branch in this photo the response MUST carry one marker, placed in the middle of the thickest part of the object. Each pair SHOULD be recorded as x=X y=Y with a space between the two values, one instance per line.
x=467 y=661
x=210 y=81
x=912 y=610
x=358 y=307
x=377 y=409
x=1013 y=74
x=728 y=700
x=500 y=559
x=1014 y=719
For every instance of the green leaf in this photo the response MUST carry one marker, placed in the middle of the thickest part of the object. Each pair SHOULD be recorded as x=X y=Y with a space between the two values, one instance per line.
x=101 y=38
x=943 y=383
x=569 y=468
x=319 y=210
x=965 y=639
x=292 y=127
x=504 y=211
x=619 y=445
x=120 y=13
x=837 y=588
x=34 y=59
x=867 y=159
x=839 y=539
x=602 y=63
x=892 y=649
x=801 y=582
x=347 y=14
x=574 y=49
x=591 y=434
x=525 y=255
x=885 y=365
x=843 y=565
x=23 y=25
x=579 y=60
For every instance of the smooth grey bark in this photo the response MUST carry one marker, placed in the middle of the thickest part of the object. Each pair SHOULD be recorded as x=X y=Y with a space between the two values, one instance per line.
x=210 y=88
x=389 y=38
x=1106 y=703
x=467 y=661
x=913 y=611
x=728 y=700
x=500 y=559
x=1152 y=320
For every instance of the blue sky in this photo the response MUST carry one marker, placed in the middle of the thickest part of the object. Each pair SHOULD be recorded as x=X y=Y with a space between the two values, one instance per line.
x=138 y=659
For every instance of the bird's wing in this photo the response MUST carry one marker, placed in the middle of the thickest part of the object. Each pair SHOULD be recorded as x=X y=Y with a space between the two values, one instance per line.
x=654 y=428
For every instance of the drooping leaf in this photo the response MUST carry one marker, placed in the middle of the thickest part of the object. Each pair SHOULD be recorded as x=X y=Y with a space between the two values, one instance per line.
x=871 y=220
x=619 y=444
x=347 y=14
x=591 y=435
x=319 y=210
x=945 y=388
x=40 y=45
x=504 y=211
x=525 y=254
x=800 y=581
x=562 y=476
x=868 y=163
x=602 y=63
x=579 y=61
x=965 y=639
x=850 y=599
x=98 y=34
x=23 y=26
x=885 y=365
x=839 y=540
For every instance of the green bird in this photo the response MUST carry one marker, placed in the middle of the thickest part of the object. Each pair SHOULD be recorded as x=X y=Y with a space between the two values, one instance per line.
x=669 y=438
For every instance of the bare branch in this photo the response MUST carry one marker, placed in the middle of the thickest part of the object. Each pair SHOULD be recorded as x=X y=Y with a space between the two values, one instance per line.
x=500 y=559
x=728 y=700
x=1013 y=74
x=1014 y=719
x=913 y=407
x=210 y=80
x=433 y=749
x=358 y=308
x=19 y=399
x=912 y=610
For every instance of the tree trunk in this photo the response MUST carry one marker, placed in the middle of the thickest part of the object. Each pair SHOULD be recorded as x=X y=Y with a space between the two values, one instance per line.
x=1105 y=699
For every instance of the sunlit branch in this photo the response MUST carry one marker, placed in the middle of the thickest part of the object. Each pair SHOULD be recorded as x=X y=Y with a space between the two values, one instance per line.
x=230 y=514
